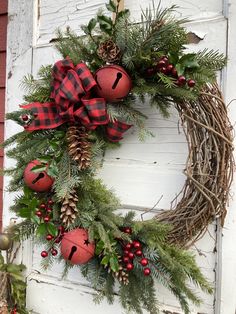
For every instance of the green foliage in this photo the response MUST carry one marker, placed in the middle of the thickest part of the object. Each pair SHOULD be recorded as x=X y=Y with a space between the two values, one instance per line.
x=38 y=90
x=16 y=286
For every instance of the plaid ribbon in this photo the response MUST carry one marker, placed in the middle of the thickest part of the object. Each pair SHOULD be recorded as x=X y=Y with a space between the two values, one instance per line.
x=71 y=92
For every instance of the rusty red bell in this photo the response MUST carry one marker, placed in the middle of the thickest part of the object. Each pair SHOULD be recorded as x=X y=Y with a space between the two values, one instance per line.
x=40 y=181
x=113 y=83
x=76 y=247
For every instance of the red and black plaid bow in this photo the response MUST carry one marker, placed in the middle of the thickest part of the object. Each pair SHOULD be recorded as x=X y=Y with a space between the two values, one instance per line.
x=71 y=92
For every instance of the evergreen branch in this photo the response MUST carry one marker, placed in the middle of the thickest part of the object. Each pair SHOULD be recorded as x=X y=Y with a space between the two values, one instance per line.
x=211 y=59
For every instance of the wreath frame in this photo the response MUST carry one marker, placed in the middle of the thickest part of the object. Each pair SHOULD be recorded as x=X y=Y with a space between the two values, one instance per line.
x=210 y=144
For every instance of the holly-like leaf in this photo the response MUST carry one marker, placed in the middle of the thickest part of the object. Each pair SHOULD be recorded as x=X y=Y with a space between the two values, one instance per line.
x=41 y=230
x=180 y=69
x=91 y=25
x=105 y=260
x=39 y=168
x=111 y=6
x=35 y=219
x=105 y=24
x=53 y=171
x=99 y=247
x=189 y=61
x=25 y=212
x=52 y=229
x=114 y=263
x=123 y=14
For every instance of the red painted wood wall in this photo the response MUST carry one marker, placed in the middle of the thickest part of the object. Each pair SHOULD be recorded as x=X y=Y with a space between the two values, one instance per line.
x=3 y=45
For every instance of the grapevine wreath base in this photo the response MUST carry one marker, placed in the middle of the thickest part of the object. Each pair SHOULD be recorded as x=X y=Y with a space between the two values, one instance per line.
x=80 y=107
x=209 y=167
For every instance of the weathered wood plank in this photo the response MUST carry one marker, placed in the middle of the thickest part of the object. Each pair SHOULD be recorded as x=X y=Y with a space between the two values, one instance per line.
x=3 y=6
x=3 y=32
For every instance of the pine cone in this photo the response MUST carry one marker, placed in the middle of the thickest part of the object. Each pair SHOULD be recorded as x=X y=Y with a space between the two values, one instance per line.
x=121 y=275
x=79 y=146
x=109 y=51
x=69 y=209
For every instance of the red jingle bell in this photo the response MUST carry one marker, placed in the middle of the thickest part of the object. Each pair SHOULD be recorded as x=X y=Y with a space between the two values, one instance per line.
x=113 y=83
x=40 y=181
x=76 y=248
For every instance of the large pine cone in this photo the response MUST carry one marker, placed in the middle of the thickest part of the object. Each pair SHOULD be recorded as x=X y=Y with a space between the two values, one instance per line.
x=79 y=146
x=109 y=51
x=69 y=210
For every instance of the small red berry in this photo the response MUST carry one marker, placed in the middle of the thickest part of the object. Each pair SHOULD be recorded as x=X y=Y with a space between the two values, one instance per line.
x=128 y=246
x=181 y=80
x=147 y=271
x=129 y=266
x=131 y=255
x=191 y=83
x=126 y=259
x=174 y=72
x=163 y=70
x=26 y=127
x=169 y=68
x=150 y=71
x=43 y=205
x=126 y=252
x=138 y=253
x=46 y=219
x=49 y=237
x=50 y=202
x=144 y=261
x=44 y=254
x=49 y=210
x=127 y=230
x=38 y=213
x=54 y=252
x=25 y=117
x=136 y=244
x=161 y=63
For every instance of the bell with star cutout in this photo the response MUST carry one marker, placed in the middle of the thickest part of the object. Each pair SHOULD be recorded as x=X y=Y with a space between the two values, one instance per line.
x=76 y=247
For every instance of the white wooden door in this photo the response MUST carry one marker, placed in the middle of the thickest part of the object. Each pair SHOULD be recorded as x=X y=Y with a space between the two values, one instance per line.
x=139 y=172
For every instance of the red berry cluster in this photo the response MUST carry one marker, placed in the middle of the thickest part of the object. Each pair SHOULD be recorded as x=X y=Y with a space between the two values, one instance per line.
x=57 y=239
x=44 y=211
x=133 y=250
x=165 y=67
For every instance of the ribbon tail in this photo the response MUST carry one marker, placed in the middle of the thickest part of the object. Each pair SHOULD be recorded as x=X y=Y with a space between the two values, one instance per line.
x=45 y=116
x=115 y=130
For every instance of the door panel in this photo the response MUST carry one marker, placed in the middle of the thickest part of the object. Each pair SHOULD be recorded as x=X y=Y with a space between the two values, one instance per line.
x=140 y=173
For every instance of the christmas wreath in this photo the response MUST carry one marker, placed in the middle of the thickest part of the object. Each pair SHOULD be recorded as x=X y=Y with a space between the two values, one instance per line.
x=83 y=105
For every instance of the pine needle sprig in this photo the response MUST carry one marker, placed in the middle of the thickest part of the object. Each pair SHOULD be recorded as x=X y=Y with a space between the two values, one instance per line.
x=211 y=59
x=38 y=89
x=23 y=230
x=68 y=177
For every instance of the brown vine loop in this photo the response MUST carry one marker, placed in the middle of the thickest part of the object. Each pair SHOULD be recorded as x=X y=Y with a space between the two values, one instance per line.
x=209 y=167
